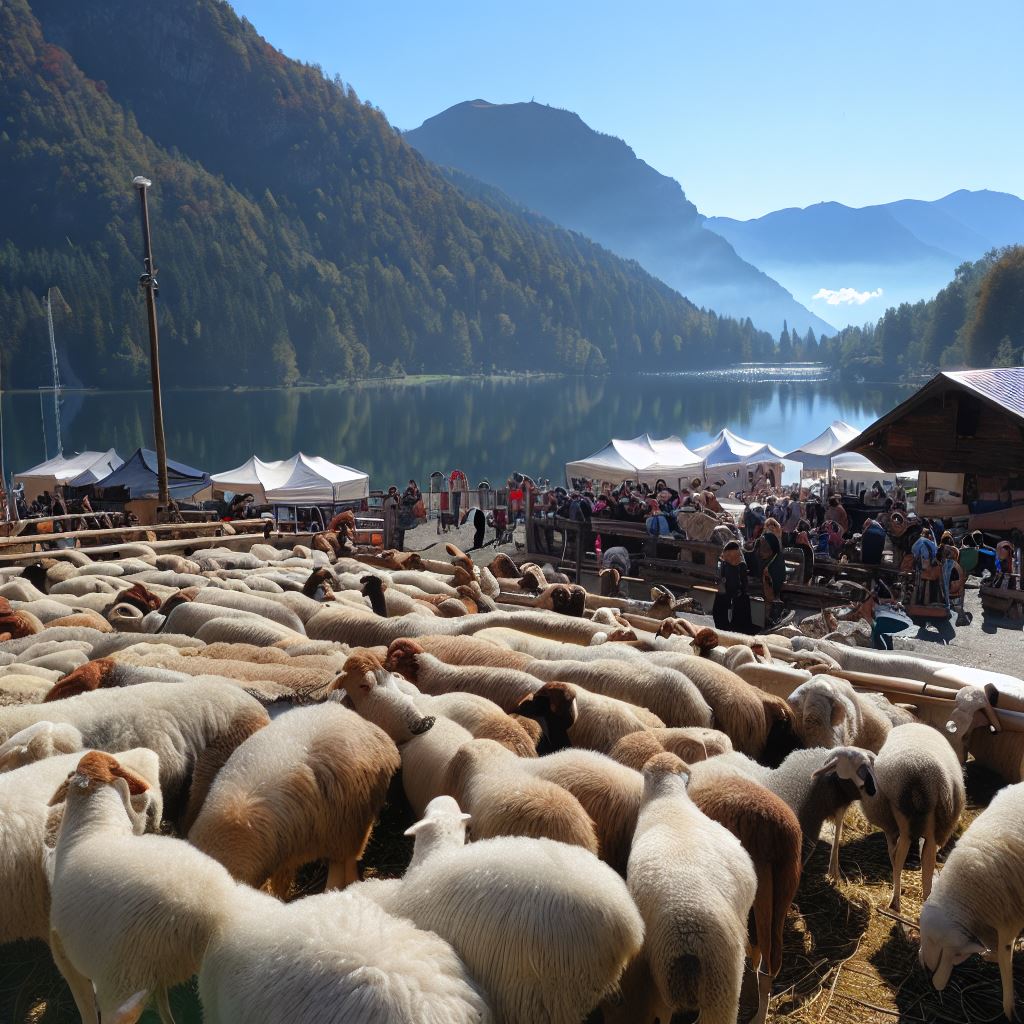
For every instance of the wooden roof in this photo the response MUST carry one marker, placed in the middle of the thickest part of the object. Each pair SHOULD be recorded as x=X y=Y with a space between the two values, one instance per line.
x=971 y=421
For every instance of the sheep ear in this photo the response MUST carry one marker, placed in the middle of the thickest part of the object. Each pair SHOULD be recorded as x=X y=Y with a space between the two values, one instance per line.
x=941 y=976
x=827 y=768
x=132 y=1009
x=62 y=792
x=137 y=785
x=866 y=774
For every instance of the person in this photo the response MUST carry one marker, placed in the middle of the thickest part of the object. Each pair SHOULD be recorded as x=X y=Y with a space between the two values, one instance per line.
x=410 y=498
x=792 y=515
x=731 y=609
x=476 y=516
x=925 y=553
x=872 y=542
x=770 y=478
x=884 y=616
x=236 y=510
x=837 y=514
x=773 y=571
x=393 y=537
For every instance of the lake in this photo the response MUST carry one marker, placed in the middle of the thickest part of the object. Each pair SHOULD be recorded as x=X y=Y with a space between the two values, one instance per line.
x=487 y=428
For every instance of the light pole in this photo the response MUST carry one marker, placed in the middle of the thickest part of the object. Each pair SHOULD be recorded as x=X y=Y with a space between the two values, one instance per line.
x=148 y=283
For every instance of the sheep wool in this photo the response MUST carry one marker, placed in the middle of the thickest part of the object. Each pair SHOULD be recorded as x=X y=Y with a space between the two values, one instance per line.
x=694 y=885
x=307 y=787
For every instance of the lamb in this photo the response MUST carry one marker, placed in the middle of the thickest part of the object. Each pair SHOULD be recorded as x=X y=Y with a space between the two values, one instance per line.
x=25 y=823
x=339 y=959
x=427 y=744
x=608 y=791
x=39 y=742
x=545 y=928
x=920 y=795
x=506 y=797
x=309 y=786
x=192 y=728
x=691 y=745
x=113 y=930
x=507 y=687
x=978 y=900
x=669 y=694
x=770 y=833
x=830 y=713
x=694 y=885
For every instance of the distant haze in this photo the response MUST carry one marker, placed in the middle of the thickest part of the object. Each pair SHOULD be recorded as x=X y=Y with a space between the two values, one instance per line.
x=753 y=107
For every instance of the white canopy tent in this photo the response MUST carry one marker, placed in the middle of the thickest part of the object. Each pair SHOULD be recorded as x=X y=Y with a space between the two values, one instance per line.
x=731 y=456
x=76 y=470
x=817 y=453
x=300 y=480
x=853 y=472
x=643 y=459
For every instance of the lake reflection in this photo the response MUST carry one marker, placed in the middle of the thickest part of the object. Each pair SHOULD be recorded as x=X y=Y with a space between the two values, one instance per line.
x=487 y=428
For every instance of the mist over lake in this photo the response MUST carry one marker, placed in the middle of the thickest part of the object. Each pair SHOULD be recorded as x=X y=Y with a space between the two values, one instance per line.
x=487 y=428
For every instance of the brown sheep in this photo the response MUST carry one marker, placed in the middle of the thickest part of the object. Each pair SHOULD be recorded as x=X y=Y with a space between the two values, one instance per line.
x=770 y=833
x=14 y=625
x=504 y=799
x=690 y=744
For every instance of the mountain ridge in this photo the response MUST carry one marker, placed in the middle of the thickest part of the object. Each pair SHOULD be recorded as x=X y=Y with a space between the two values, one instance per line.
x=550 y=160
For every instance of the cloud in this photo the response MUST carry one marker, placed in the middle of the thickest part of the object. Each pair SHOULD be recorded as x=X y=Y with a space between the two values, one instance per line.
x=846 y=296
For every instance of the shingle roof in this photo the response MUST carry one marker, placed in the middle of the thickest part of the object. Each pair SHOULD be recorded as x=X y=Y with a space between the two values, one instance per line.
x=1004 y=386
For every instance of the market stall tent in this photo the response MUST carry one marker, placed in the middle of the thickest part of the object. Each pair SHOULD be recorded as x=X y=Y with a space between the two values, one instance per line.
x=300 y=480
x=136 y=478
x=643 y=459
x=817 y=453
x=64 y=470
x=730 y=456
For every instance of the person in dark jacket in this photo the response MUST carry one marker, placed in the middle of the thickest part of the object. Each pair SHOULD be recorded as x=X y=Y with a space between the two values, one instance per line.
x=731 y=609
x=872 y=542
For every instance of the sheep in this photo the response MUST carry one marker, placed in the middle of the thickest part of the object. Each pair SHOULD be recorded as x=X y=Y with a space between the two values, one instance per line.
x=758 y=723
x=570 y=716
x=977 y=904
x=608 y=791
x=669 y=694
x=309 y=786
x=830 y=713
x=427 y=744
x=17 y=624
x=22 y=689
x=249 y=630
x=361 y=628
x=545 y=928
x=113 y=930
x=505 y=686
x=693 y=744
x=506 y=798
x=770 y=833
x=694 y=886
x=481 y=717
x=107 y=673
x=920 y=795
x=25 y=823
x=338 y=958
x=192 y=728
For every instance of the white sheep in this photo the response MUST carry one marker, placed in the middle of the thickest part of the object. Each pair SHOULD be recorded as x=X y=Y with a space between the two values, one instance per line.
x=333 y=959
x=26 y=820
x=114 y=929
x=977 y=904
x=192 y=726
x=545 y=928
x=920 y=796
x=694 y=885
x=828 y=712
x=307 y=787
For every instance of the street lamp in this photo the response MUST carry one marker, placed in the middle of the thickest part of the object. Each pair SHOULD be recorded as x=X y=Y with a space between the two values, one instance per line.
x=148 y=283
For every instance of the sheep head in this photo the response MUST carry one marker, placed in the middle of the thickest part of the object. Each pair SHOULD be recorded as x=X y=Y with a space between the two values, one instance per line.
x=611 y=582
x=93 y=675
x=183 y=595
x=17 y=624
x=95 y=770
x=374 y=693
x=137 y=595
x=460 y=558
x=401 y=658
x=823 y=715
x=945 y=943
x=705 y=642
x=852 y=764
x=38 y=742
x=973 y=708
x=443 y=826
x=663 y=603
x=553 y=708
x=564 y=600
x=503 y=568
x=665 y=774
x=676 y=627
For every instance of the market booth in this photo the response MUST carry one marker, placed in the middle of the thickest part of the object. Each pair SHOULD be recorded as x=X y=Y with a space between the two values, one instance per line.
x=737 y=459
x=302 y=479
x=816 y=455
x=640 y=459
x=61 y=471
x=134 y=484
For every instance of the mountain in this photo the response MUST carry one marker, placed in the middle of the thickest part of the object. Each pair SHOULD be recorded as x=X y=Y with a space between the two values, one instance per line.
x=297 y=236
x=892 y=253
x=552 y=162
x=976 y=320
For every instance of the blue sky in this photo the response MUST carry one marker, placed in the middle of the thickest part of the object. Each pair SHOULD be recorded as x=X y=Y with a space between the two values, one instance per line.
x=752 y=106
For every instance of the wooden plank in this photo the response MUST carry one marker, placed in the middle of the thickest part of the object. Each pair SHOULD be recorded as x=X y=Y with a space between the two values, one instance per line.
x=120 y=531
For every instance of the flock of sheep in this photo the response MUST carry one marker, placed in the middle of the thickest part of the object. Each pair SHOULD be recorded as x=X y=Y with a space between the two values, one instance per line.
x=179 y=736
